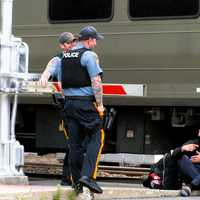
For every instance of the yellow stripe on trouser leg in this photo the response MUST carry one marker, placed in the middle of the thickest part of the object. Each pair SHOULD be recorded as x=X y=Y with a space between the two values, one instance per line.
x=62 y=128
x=99 y=154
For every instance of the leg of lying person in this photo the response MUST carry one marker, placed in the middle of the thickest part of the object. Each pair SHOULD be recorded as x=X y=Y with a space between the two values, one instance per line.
x=192 y=173
x=187 y=168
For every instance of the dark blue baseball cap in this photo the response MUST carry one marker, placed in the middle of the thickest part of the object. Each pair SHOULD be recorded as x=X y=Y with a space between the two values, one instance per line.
x=89 y=32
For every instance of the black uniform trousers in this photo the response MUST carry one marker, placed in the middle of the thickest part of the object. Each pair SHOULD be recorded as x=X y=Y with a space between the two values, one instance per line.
x=86 y=137
x=66 y=174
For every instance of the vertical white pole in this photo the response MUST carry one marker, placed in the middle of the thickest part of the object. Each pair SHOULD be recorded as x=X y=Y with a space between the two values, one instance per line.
x=6 y=10
x=6 y=6
x=11 y=152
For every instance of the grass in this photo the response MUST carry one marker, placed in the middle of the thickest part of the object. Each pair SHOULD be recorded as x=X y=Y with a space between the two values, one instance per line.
x=71 y=196
x=56 y=196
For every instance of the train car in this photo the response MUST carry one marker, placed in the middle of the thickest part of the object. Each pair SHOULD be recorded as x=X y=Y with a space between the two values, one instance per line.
x=149 y=42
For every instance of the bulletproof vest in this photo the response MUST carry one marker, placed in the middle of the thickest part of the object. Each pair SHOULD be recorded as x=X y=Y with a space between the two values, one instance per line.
x=73 y=74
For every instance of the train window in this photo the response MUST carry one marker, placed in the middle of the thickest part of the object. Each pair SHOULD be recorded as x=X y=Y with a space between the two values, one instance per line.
x=79 y=10
x=163 y=8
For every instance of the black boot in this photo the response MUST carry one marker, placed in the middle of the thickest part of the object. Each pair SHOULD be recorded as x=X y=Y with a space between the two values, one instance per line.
x=91 y=184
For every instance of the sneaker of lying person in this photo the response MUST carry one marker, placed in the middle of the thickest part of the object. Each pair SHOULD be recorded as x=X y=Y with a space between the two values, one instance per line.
x=185 y=191
x=86 y=194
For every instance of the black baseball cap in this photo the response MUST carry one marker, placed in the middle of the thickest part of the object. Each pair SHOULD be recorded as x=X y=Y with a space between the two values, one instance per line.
x=89 y=32
x=66 y=37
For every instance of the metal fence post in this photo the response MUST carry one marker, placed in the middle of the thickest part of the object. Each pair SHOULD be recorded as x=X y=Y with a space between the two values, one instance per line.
x=11 y=152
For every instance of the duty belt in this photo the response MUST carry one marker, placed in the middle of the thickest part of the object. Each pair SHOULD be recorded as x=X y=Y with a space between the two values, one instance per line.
x=80 y=98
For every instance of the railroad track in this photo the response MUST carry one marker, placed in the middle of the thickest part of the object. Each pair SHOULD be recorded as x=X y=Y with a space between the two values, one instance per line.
x=52 y=169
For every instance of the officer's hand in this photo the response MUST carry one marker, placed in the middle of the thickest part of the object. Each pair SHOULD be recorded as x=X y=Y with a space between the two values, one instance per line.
x=43 y=80
x=100 y=110
x=189 y=147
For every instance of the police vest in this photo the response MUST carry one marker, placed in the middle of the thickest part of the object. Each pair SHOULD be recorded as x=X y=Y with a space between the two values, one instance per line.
x=73 y=74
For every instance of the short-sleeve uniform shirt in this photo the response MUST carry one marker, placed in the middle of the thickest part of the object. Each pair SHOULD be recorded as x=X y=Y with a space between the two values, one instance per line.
x=89 y=60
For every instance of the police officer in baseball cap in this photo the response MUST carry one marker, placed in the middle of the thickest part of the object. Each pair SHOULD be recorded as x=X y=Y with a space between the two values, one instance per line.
x=82 y=84
x=89 y=32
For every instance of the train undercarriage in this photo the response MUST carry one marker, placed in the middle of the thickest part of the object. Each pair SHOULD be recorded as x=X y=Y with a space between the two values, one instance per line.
x=131 y=129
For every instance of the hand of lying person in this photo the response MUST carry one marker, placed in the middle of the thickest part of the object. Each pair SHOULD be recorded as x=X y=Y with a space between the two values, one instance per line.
x=189 y=147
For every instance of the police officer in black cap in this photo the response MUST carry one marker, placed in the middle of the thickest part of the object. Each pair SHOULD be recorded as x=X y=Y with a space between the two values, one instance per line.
x=82 y=85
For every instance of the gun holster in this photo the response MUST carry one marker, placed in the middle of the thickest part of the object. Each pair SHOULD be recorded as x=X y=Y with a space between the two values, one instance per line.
x=58 y=100
x=109 y=119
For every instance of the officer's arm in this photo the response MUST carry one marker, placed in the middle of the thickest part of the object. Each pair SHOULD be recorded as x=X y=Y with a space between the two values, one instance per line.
x=51 y=69
x=91 y=61
x=45 y=75
x=98 y=92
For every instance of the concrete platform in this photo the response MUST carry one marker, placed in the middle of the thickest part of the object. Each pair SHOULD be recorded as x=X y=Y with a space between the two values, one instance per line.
x=14 y=180
x=33 y=192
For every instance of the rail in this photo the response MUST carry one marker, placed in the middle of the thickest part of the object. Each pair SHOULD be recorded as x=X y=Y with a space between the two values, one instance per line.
x=105 y=171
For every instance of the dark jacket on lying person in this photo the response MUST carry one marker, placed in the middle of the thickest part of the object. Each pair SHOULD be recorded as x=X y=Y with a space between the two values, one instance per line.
x=175 y=167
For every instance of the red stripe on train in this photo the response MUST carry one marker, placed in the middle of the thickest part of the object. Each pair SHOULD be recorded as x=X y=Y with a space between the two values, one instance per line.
x=114 y=89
